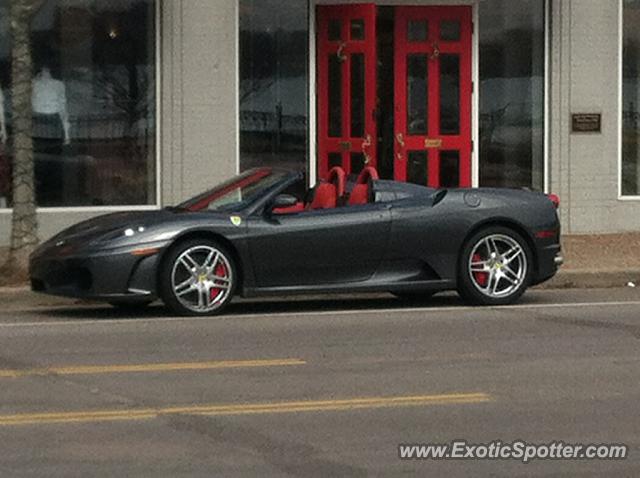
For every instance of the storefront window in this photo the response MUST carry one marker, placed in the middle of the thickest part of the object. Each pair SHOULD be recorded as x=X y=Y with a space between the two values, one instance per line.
x=274 y=49
x=512 y=58
x=93 y=103
x=631 y=99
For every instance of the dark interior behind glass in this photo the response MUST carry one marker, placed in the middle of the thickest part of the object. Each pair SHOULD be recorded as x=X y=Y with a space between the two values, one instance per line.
x=273 y=83
x=93 y=103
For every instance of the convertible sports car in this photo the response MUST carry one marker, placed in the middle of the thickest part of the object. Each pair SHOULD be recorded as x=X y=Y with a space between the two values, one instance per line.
x=258 y=234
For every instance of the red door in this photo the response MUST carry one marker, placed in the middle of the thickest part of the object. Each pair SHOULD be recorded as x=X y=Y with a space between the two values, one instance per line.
x=346 y=87
x=433 y=95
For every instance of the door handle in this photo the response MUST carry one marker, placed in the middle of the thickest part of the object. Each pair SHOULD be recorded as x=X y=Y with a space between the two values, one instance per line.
x=340 y=53
x=436 y=51
x=365 y=146
x=400 y=140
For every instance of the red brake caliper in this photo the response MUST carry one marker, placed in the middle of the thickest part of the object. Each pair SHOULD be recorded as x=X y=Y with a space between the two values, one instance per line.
x=480 y=277
x=220 y=271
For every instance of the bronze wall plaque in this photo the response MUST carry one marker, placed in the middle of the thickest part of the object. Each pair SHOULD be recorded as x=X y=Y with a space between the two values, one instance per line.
x=586 y=123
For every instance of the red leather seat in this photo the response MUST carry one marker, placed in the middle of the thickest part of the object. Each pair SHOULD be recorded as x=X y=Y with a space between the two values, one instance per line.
x=298 y=207
x=324 y=197
x=328 y=194
x=360 y=193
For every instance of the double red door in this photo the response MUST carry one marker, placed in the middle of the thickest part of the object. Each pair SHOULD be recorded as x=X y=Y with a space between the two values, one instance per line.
x=431 y=92
x=346 y=87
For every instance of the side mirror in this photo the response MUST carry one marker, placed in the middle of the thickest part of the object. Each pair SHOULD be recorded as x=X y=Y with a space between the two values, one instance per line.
x=283 y=200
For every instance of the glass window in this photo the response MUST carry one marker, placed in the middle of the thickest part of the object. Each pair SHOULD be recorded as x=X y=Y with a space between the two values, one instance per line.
x=450 y=30
x=5 y=105
x=273 y=83
x=512 y=44
x=236 y=193
x=93 y=103
x=417 y=31
x=631 y=100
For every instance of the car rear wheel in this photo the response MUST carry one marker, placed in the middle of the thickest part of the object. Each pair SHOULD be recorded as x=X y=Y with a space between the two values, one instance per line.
x=495 y=267
x=198 y=277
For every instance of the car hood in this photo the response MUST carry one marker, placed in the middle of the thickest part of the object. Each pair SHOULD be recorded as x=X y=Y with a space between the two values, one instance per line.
x=100 y=225
x=88 y=232
x=111 y=226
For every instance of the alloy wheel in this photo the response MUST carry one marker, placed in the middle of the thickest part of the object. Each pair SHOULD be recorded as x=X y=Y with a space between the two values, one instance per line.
x=497 y=266
x=202 y=278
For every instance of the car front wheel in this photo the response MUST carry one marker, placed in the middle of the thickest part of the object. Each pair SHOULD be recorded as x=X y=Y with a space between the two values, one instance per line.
x=198 y=277
x=495 y=267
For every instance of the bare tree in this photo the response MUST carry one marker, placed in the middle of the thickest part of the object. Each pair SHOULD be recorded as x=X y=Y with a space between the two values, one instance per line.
x=24 y=224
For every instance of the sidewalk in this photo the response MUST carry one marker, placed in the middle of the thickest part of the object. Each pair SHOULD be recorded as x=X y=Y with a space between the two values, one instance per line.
x=599 y=261
x=595 y=261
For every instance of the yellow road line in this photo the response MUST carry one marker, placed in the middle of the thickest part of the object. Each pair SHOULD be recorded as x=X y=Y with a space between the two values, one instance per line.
x=153 y=367
x=244 y=409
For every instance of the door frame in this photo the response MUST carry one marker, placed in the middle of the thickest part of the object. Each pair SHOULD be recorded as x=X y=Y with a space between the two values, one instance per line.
x=475 y=75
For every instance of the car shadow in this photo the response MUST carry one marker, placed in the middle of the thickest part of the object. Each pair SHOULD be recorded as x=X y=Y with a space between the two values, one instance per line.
x=265 y=306
x=262 y=306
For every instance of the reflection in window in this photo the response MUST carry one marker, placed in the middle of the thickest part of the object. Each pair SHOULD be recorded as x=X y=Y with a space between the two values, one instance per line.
x=93 y=103
x=631 y=100
x=449 y=169
x=417 y=97
x=512 y=94
x=335 y=30
x=450 y=30
x=450 y=94
x=335 y=97
x=273 y=83
x=417 y=168
x=358 y=88
x=417 y=31
x=357 y=29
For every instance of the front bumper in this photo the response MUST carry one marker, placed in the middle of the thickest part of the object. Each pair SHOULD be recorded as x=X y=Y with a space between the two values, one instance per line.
x=110 y=275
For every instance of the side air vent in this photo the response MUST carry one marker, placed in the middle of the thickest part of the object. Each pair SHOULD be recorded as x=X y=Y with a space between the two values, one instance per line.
x=439 y=196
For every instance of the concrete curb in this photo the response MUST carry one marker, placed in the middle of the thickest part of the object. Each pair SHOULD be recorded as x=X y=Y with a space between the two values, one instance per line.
x=593 y=279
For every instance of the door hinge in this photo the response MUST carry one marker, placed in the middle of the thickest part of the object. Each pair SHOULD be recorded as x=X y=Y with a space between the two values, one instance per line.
x=473 y=146
x=473 y=87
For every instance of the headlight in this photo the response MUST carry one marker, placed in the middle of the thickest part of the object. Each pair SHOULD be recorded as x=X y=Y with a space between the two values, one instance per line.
x=131 y=231
x=120 y=233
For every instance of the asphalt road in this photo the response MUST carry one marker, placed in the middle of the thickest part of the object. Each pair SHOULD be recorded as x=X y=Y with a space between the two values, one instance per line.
x=318 y=387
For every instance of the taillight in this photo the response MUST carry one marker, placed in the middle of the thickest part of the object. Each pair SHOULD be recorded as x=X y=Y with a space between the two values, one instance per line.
x=551 y=233
x=554 y=199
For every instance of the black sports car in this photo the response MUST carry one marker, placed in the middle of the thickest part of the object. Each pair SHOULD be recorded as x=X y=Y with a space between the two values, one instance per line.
x=256 y=234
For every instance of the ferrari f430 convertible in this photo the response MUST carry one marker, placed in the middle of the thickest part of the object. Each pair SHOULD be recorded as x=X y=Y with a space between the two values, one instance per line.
x=260 y=233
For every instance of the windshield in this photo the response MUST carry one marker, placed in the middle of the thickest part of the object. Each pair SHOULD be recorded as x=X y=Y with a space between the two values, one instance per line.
x=235 y=193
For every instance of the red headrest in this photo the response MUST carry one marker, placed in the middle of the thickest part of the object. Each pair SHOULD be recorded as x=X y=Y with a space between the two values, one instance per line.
x=368 y=173
x=338 y=178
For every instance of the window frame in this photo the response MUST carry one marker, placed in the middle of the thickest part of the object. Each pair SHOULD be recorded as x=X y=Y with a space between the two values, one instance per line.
x=157 y=13
x=475 y=120
x=621 y=196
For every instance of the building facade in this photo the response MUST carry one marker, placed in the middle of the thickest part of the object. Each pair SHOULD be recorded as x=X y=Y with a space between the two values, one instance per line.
x=139 y=104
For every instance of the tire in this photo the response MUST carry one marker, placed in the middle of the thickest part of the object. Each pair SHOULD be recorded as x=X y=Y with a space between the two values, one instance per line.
x=415 y=296
x=495 y=267
x=198 y=277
